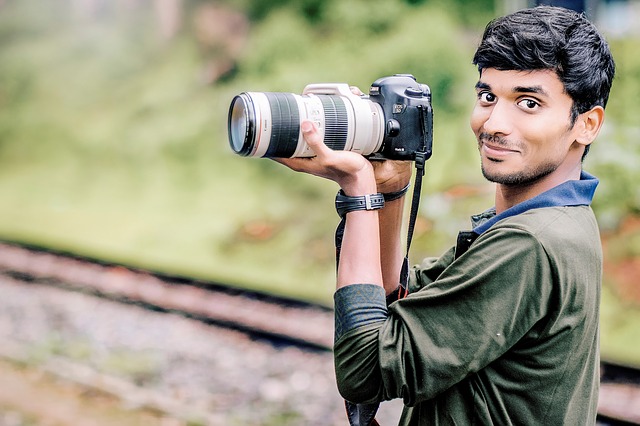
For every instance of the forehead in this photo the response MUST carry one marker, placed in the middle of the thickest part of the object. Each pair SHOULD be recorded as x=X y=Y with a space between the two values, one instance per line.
x=544 y=83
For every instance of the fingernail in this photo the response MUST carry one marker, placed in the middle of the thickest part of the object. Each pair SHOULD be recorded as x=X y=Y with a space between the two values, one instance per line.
x=306 y=126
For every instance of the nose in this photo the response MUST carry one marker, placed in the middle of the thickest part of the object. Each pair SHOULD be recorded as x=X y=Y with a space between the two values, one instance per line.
x=496 y=119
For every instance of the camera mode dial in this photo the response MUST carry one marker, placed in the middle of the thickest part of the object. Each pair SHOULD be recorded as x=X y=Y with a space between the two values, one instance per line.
x=414 y=92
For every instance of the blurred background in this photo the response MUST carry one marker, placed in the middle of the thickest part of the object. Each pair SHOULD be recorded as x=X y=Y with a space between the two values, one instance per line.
x=113 y=134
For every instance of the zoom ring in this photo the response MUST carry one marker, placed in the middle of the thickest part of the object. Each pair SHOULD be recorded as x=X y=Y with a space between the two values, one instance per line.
x=285 y=125
x=336 y=121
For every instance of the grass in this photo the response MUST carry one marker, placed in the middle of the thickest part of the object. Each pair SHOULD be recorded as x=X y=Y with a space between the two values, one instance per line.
x=120 y=152
x=152 y=224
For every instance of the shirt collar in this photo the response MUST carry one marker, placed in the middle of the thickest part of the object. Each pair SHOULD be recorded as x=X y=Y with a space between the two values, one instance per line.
x=569 y=193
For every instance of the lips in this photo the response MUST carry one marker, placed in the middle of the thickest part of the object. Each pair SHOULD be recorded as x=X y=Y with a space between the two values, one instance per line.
x=496 y=151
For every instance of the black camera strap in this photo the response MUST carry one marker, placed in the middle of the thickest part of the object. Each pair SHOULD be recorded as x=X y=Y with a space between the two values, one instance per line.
x=413 y=215
x=422 y=155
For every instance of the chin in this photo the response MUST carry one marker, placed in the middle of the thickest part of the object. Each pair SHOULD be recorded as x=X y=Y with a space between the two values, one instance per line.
x=505 y=177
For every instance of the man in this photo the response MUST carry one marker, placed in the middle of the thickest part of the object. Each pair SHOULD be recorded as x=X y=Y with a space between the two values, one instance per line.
x=503 y=328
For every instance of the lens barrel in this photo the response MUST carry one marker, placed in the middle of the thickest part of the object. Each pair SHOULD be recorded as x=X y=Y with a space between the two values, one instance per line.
x=267 y=124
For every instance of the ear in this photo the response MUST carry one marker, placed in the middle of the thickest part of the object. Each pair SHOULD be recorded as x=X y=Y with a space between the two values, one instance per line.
x=589 y=124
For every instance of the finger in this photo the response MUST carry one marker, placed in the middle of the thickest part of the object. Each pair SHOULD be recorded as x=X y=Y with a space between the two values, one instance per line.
x=295 y=164
x=314 y=138
x=356 y=90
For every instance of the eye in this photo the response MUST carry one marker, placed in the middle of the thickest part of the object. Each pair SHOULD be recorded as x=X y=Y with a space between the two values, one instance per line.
x=486 y=97
x=529 y=104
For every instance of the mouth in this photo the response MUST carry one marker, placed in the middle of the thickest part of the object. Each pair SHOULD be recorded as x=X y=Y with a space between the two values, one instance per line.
x=496 y=152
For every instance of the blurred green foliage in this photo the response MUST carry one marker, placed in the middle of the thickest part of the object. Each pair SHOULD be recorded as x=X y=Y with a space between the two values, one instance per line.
x=113 y=136
x=113 y=143
x=616 y=154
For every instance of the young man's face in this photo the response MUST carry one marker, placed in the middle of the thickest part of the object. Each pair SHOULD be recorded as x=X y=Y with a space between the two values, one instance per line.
x=522 y=123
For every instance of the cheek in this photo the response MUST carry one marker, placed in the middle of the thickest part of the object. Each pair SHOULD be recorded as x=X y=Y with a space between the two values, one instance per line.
x=476 y=120
x=548 y=133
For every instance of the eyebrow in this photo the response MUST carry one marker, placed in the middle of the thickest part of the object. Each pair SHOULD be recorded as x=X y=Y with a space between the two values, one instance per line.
x=530 y=89
x=518 y=89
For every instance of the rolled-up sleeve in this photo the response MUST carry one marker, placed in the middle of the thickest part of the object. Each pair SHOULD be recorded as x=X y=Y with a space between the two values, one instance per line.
x=360 y=310
x=358 y=305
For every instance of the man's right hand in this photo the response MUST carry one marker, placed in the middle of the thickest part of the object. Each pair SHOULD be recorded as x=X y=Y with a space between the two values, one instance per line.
x=350 y=170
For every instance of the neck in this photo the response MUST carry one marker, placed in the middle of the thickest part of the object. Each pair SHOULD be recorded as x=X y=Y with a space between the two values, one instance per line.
x=508 y=196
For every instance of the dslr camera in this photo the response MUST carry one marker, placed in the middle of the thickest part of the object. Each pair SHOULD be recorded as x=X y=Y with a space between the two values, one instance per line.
x=395 y=121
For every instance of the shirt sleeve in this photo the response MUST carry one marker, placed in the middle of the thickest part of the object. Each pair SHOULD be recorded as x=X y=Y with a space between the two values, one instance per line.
x=358 y=305
x=429 y=270
x=474 y=311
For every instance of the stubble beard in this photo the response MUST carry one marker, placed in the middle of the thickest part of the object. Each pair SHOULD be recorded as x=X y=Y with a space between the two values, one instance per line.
x=523 y=177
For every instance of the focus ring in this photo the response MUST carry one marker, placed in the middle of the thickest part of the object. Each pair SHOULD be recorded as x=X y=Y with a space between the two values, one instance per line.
x=336 y=122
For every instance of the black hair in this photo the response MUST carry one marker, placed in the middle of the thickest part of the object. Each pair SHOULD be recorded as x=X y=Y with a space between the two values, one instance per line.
x=554 y=38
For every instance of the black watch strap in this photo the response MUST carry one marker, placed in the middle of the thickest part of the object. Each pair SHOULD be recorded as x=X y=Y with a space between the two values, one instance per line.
x=390 y=196
x=346 y=204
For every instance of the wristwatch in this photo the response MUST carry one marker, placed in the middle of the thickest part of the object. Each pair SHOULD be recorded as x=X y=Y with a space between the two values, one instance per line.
x=346 y=204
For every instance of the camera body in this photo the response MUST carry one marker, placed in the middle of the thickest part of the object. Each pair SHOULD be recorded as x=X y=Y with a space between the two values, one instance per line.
x=408 y=117
x=395 y=121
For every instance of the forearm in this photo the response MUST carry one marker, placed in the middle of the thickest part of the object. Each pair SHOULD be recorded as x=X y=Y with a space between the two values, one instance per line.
x=360 y=252
x=392 y=178
x=391 y=245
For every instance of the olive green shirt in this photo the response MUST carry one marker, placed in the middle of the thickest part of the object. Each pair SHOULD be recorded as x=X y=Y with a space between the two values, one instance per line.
x=506 y=332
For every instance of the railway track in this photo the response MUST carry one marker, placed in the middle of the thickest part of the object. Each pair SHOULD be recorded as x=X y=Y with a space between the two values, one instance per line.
x=278 y=320
x=619 y=403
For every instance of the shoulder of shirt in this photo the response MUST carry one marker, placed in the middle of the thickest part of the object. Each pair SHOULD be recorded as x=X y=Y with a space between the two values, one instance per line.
x=551 y=223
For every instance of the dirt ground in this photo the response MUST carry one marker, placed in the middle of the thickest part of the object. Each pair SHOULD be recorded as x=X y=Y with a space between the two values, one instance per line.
x=32 y=397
